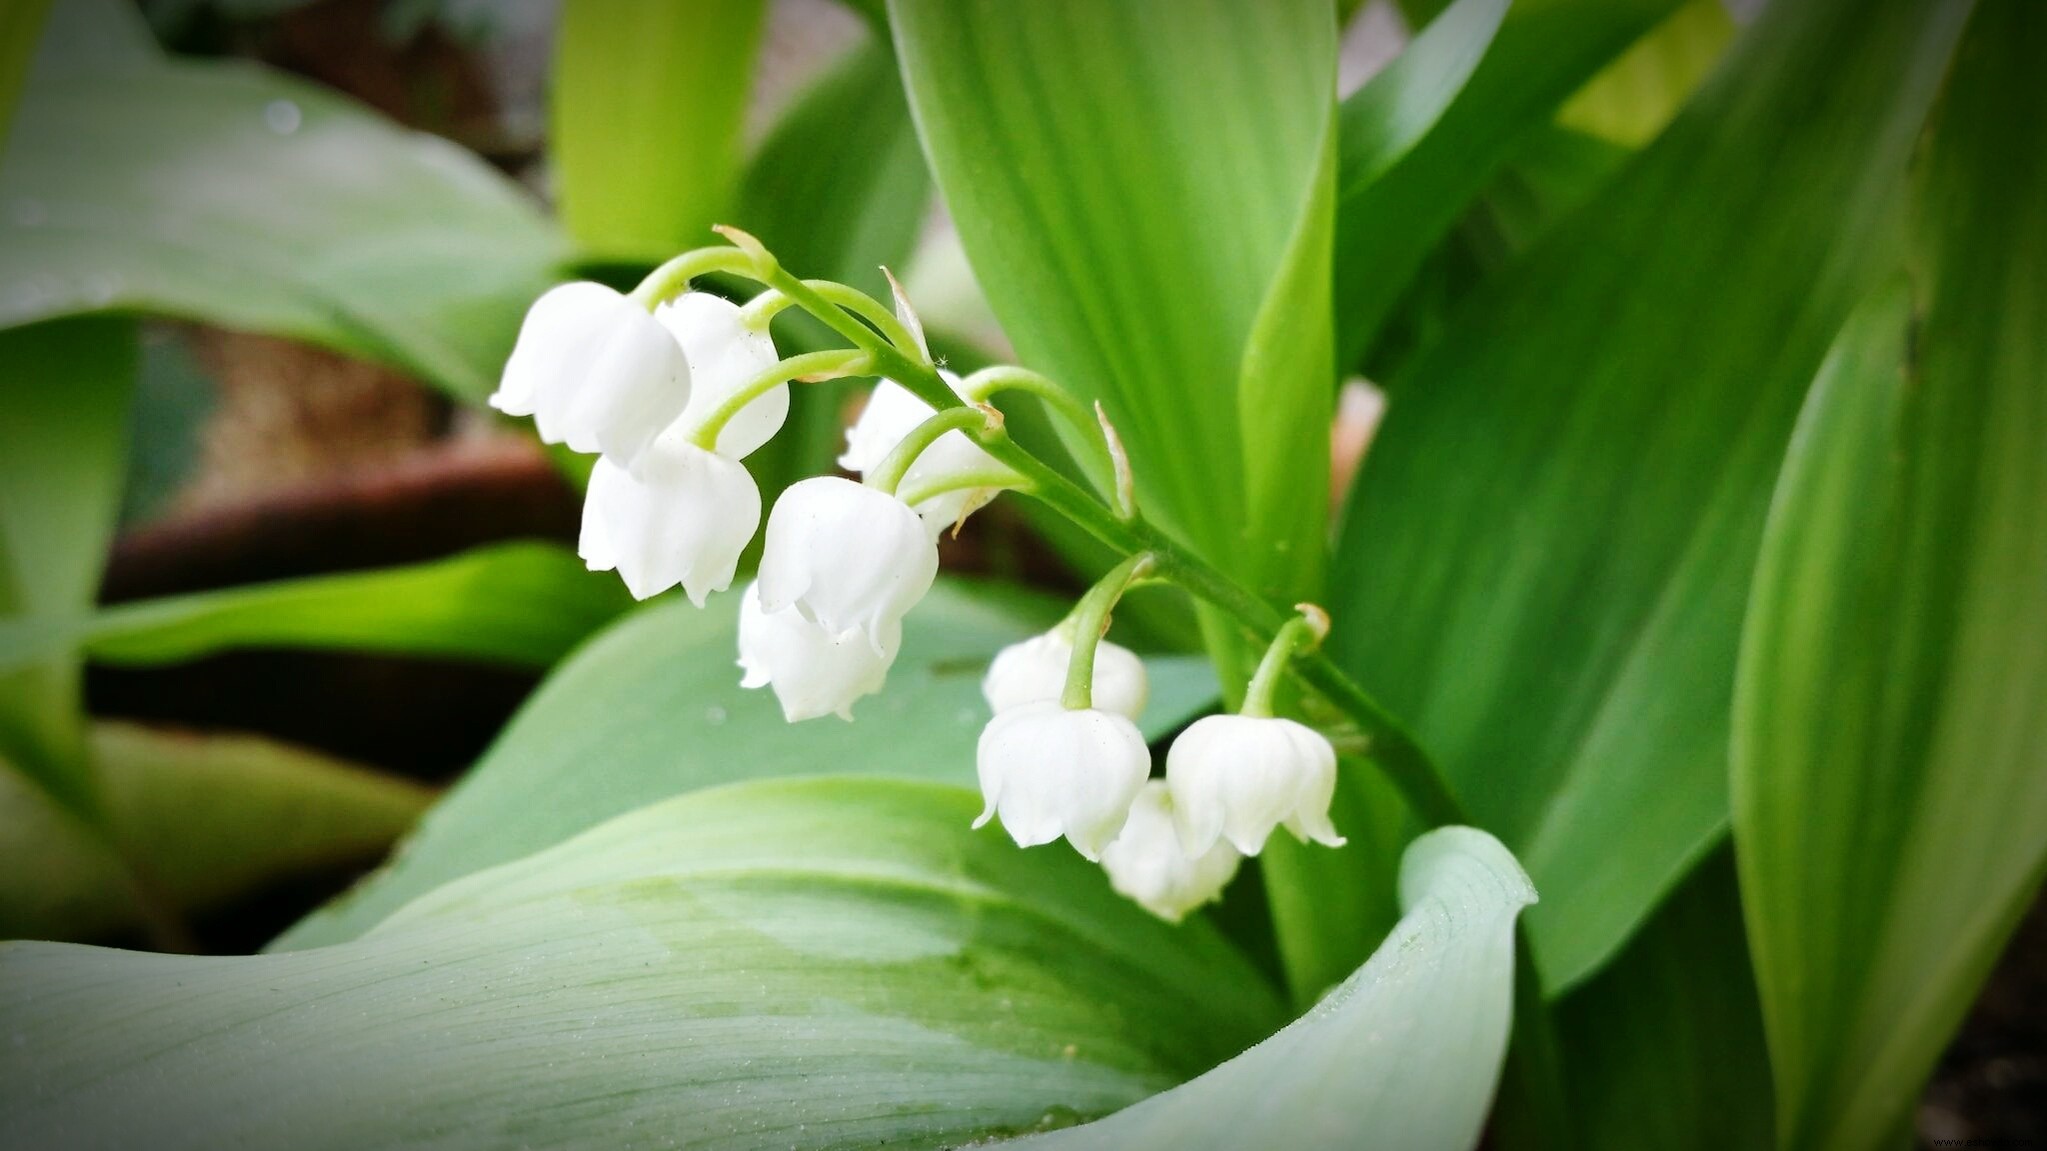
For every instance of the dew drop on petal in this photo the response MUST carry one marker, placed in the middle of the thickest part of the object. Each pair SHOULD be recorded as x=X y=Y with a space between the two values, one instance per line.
x=282 y=116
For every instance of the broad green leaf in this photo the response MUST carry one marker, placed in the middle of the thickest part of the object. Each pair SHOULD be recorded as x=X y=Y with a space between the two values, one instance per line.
x=191 y=823
x=1548 y=548
x=1890 y=747
x=20 y=25
x=1387 y=226
x=647 y=98
x=1663 y=1049
x=517 y=603
x=1404 y=1054
x=226 y=193
x=1140 y=188
x=653 y=707
x=1383 y=121
x=65 y=387
x=808 y=963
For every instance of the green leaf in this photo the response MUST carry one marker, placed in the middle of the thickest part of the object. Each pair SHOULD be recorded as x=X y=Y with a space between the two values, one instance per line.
x=1890 y=750
x=653 y=707
x=524 y=604
x=1548 y=548
x=1142 y=190
x=1404 y=1054
x=1387 y=225
x=1636 y=95
x=66 y=390
x=192 y=823
x=229 y=194
x=647 y=101
x=1664 y=1048
x=20 y=25
x=815 y=963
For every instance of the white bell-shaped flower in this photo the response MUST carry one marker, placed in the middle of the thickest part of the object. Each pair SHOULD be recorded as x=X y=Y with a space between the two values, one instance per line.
x=892 y=412
x=725 y=354
x=812 y=672
x=1237 y=777
x=596 y=371
x=1147 y=864
x=1035 y=670
x=683 y=519
x=847 y=557
x=1049 y=771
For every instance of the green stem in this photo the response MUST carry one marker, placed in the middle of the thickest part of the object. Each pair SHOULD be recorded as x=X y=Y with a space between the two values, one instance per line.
x=963 y=481
x=1293 y=635
x=1391 y=747
x=1089 y=620
x=829 y=364
x=672 y=278
x=773 y=302
x=1078 y=416
x=894 y=466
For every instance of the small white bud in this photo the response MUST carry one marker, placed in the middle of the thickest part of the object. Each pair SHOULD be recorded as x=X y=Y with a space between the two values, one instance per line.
x=684 y=519
x=892 y=412
x=1035 y=670
x=1147 y=864
x=596 y=372
x=1237 y=777
x=813 y=674
x=1050 y=772
x=725 y=354
x=847 y=557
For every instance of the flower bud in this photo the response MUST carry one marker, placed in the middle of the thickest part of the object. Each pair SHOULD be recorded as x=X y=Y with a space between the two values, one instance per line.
x=724 y=354
x=596 y=372
x=1035 y=670
x=683 y=519
x=1237 y=777
x=847 y=557
x=1050 y=771
x=812 y=673
x=892 y=412
x=1147 y=864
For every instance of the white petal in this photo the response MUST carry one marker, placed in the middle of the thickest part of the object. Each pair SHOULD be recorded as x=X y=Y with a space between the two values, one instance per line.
x=1147 y=864
x=597 y=372
x=813 y=673
x=1239 y=777
x=1035 y=670
x=684 y=519
x=553 y=340
x=723 y=355
x=1050 y=772
x=893 y=412
x=846 y=556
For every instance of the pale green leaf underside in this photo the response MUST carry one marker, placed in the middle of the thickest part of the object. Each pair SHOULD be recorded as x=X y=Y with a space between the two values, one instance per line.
x=1403 y=1054
x=653 y=707
x=236 y=196
x=1545 y=560
x=522 y=604
x=810 y=964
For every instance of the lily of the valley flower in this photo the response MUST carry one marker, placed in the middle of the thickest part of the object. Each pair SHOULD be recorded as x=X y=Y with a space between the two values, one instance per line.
x=723 y=355
x=684 y=518
x=812 y=672
x=892 y=412
x=846 y=557
x=1035 y=670
x=596 y=371
x=1051 y=771
x=1237 y=777
x=1147 y=864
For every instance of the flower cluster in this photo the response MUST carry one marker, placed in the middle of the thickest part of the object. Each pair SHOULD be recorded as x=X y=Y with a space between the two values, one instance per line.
x=672 y=395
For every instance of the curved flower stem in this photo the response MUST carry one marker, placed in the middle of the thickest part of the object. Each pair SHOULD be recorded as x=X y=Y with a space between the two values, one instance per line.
x=1303 y=633
x=1090 y=619
x=763 y=308
x=963 y=481
x=672 y=278
x=887 y=474
x=1390 y=746
x=1078 y=416
x=826 y=365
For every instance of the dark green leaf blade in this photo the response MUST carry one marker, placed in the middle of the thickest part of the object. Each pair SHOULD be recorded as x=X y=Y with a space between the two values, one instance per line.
x=656 y=702
x=811 y=964
x=1549 y=546
x=1890 y=747
x=1404 y=1054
